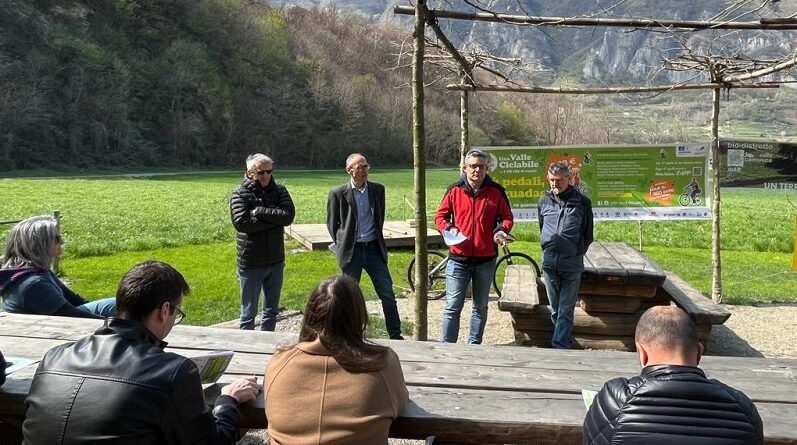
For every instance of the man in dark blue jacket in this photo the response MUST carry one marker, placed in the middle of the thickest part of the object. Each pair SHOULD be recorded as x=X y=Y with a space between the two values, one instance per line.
x=565 y=217
x=672 y=401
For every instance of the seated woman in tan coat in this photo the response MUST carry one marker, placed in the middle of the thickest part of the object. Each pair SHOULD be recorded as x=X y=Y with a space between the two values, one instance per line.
x=334 y=387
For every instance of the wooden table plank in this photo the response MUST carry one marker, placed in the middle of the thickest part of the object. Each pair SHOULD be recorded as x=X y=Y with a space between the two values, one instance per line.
x=640 y=268
x=482 y=393
x=395 y=233
x=601 y=266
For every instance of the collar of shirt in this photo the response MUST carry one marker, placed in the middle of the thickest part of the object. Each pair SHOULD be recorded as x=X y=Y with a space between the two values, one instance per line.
x=361 y=190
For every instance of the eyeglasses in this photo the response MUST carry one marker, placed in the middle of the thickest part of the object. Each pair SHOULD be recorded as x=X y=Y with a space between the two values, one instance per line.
x=58 y=239
x=264 y=172
x=365 y=167
x=477 y=166
x=180 y=315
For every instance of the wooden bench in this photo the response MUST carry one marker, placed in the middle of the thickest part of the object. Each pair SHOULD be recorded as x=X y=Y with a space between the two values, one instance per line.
x=703 y=311
x=461 y=393
x=618 y=284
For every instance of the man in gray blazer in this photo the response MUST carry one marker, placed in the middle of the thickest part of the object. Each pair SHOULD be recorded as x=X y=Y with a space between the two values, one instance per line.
x=355 y=217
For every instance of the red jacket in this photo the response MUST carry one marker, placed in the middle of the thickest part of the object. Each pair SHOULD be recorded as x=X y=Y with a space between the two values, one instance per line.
x=477 y=216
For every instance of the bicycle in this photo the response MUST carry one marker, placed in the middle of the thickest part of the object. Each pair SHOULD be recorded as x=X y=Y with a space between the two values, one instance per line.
x=437 y=270
x=686 y=199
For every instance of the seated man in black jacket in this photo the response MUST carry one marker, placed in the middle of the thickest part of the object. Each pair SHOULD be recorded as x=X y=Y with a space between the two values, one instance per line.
x=672 y=401
x=118 y=386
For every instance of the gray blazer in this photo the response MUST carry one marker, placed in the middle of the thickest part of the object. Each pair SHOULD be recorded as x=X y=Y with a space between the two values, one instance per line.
x=342 y=219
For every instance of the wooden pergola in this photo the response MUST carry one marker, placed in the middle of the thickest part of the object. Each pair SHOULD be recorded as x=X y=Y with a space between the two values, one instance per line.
x=718 y=81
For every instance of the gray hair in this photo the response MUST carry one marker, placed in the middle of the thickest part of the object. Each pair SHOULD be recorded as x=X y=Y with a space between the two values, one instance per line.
x=28 y=243
x=257 y=158
x=668 y=328
x=474 y=153
x=350 y=159
x=559 y=167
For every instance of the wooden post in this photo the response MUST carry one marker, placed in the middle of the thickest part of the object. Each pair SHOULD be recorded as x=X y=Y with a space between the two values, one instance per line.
x=419 y=155
x=716 y=264
x=794 y=243
x=640 y=235
x=464 y=140
x=57 y=261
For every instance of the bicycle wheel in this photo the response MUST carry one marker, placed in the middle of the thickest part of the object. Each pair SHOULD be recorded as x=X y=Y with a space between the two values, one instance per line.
x=513 y=258
x=437 y=275
x=698 y=200
x=684 y=199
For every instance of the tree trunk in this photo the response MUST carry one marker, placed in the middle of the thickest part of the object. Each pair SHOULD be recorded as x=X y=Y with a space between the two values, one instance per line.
x=716 y=265
x=419 y=155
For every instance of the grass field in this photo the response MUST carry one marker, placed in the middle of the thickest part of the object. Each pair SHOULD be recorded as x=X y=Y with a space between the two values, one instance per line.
x=111 y=224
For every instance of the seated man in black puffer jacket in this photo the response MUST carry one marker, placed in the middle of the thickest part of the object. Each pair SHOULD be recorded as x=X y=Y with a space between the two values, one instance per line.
x=672 y=401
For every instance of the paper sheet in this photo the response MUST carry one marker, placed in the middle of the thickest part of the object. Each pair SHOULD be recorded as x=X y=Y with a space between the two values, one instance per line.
x=451 y=239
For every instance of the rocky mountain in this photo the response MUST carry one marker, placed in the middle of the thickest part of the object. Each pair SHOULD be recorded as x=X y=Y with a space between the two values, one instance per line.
x=597 y=55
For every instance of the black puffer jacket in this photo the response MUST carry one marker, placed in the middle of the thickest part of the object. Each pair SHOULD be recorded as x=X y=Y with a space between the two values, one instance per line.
x=260 y=235
x=118 y=386
x=668 y=405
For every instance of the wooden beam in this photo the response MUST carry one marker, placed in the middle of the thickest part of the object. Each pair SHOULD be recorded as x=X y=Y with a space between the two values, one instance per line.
x=619 y=22
x=608 y=90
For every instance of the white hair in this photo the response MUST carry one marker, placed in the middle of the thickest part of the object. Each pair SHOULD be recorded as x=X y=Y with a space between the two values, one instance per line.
x=257 y=158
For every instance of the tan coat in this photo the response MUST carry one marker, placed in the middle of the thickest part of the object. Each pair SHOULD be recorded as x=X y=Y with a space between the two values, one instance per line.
x=310 y=399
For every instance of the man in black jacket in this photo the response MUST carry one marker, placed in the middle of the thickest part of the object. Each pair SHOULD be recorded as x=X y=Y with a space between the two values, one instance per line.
x=260 y=209
x=118 y=386
x=672 y=401
x=355 y=218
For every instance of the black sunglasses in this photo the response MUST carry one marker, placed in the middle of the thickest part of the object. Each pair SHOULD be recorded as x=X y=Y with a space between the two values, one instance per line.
x=58 y=239
x=264 y=172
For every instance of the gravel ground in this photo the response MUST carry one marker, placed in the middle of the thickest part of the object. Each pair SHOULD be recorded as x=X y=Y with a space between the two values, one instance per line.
x=751 y=331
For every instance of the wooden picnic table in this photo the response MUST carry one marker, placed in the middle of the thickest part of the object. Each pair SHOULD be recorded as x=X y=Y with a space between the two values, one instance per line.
x=618 y=284
x=461 y=393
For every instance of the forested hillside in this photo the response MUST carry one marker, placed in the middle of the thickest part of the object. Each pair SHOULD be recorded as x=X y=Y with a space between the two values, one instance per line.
x=107 y=84
x=89 y=85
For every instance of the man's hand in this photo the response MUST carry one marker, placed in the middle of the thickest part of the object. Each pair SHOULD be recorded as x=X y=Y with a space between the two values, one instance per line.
x=500 y=237
x=242 y=390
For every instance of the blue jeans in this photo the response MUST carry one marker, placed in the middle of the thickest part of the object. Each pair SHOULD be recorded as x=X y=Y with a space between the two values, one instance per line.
x=562 y=290
x=367 y=256
x=105 y=307
x=252 y=280
x=458 y=277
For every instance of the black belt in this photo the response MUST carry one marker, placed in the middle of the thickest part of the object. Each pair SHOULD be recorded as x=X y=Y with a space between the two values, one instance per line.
x=365 y=243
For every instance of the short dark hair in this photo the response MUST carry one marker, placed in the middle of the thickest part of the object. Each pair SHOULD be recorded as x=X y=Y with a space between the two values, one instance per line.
x=667 y=327
x=146 y=287
x=336 y=314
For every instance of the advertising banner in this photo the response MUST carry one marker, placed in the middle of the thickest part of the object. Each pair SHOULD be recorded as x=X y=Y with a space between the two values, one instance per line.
x=634 y=182
x=767 y=164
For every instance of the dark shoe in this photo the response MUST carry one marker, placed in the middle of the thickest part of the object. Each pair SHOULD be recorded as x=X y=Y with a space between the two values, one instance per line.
x=397 y=337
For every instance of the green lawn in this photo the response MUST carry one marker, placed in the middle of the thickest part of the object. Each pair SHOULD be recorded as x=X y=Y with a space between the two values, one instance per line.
x=111 y=224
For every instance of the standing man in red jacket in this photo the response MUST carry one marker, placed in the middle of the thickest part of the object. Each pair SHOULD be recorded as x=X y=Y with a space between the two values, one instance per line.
x=477 y=208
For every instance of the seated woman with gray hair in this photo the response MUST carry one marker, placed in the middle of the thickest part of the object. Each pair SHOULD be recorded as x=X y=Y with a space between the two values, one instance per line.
x=27 y=284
